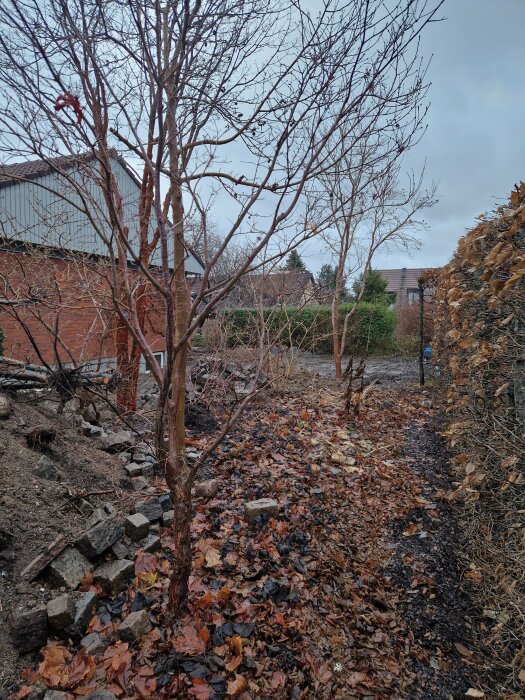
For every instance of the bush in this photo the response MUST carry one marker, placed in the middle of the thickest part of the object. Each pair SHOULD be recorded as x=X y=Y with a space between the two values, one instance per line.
x=310 y=328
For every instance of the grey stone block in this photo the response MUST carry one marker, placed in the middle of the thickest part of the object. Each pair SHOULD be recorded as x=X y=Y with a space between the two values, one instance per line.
x=139 y=483
x=136 y=526
x=114 y=576
x=151 y=508
x=264 y=506
x=5 y=408
x=165 y=501
x=69 y=568
x=55 y=695
x=167 y=518
x=151 y=544
x=29 y=629
x=93 y=644
x=100 y=695
x=61 y=611
x=101 y=537
x=134 y=626
x=120 y=550
x=85 y=602
x=117 y=442
x=133 y=469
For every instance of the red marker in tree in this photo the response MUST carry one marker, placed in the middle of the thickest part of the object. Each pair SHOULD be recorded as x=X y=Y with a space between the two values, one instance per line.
x=69 y=100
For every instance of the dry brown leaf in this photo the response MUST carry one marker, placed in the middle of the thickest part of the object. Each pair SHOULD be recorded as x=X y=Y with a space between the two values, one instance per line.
x=213 y=558
x=236 y=686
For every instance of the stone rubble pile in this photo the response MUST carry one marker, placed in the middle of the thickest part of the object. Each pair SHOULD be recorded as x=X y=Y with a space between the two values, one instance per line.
x=103 y=553
x=234 y=381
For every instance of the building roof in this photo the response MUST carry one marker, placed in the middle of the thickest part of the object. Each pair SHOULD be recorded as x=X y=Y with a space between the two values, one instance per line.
x=12 y=173
x=41 y=221
x=402 y=278
x=294 y=287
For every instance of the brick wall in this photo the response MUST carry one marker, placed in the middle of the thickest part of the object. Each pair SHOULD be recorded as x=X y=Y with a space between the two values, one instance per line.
x=73 y=320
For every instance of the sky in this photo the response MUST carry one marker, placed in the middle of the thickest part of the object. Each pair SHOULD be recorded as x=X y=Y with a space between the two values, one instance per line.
x=474 y=147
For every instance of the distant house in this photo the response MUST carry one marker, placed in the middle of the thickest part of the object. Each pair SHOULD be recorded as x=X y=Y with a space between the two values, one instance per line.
x=403 y=284
x=51 y=253
x=294 y=288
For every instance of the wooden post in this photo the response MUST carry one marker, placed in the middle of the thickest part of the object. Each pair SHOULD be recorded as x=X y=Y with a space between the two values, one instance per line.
x=421 y=331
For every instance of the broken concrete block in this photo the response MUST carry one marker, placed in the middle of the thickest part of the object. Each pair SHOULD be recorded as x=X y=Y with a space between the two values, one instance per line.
x=29 y=629
x=264 y=506
x=134 y=626
x=151 y=508
x=69 y=568
x=113 y=576
x=167 y=518
x=85 y=602
x=117 y=442
x=207 y=489
x=136 y=526
x=61 y=611
x=165 y=501
x=101 y=537
x=93 y=644
x=133 y=469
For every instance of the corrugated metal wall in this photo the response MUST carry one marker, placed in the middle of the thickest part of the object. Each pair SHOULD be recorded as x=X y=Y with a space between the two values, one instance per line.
x=48 y=211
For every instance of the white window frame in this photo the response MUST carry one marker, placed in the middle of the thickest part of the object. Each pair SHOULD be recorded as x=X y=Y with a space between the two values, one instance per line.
x=160 y=356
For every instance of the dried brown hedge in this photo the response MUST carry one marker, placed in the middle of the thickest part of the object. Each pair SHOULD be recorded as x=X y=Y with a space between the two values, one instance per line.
x=480 y=345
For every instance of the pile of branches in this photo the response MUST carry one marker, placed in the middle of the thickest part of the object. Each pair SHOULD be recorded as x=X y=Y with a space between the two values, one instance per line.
x=480 y=346
x=65 y=381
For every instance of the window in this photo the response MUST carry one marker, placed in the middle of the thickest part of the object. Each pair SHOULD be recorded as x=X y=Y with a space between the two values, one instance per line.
x=412 y=295
x=160 y=357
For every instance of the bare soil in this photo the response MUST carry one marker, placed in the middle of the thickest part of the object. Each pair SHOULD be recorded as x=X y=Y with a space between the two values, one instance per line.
x=39 y=500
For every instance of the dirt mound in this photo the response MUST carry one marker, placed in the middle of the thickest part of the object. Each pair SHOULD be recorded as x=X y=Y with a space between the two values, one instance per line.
x=44 y=493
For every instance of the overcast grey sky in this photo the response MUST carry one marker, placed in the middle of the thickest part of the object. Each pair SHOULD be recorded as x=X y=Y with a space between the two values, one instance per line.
x=475 y=143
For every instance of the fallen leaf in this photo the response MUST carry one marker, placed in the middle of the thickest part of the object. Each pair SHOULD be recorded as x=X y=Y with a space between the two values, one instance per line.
x=463 y=650
x=473 y=693
x=191 y=641
x=201 y=690
x=213 y=558
x=236 y=686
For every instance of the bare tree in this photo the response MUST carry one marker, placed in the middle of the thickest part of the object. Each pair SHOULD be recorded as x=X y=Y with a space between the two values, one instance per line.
x=368 y=209
x=232 y=102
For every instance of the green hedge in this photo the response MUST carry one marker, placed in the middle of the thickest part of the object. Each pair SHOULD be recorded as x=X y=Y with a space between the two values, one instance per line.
x=373 y=327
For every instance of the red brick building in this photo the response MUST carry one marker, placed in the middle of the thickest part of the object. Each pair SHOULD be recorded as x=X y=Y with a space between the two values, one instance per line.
x=52 y=265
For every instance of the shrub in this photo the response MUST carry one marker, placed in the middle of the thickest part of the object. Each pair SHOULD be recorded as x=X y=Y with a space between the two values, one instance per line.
x=310 y=327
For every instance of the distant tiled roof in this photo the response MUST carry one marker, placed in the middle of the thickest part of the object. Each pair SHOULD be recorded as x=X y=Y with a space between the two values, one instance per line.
x=402 y=278
x=275 y=288
x=12 y=173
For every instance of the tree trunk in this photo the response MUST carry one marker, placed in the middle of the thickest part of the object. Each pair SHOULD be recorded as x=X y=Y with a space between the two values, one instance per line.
x=335 y=336
x=421 y=334
x=178 y=473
